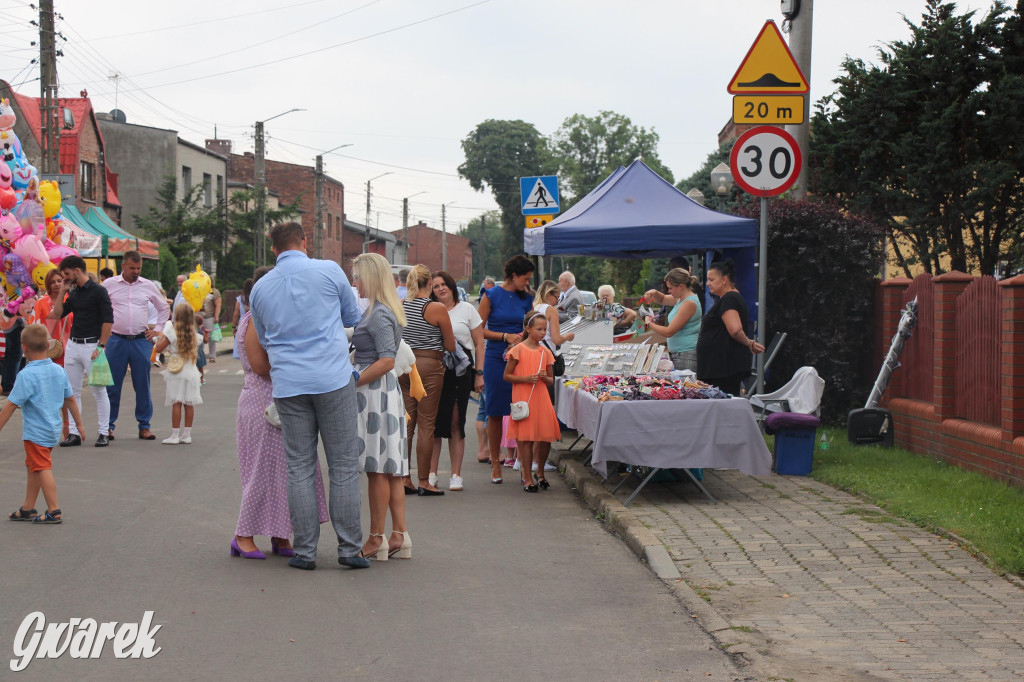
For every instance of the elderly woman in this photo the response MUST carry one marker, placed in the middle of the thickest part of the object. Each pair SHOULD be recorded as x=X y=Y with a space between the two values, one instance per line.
x=502 y=309
x=261 y=461
x=621 y=316
x=723 y=347
x=381 y=423
x=683 y=319
x=451 y=413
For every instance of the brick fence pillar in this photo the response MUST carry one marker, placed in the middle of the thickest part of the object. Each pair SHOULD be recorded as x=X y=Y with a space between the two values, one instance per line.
x=947 y=288
x=1012 y=357
x=893 y=291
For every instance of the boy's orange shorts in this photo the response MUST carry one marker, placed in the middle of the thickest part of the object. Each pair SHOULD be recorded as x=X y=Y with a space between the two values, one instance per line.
x=37 y=457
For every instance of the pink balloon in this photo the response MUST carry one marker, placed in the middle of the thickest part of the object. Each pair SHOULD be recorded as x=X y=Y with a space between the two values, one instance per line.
x=30 y=249
x=57 y=252
x=8 y=199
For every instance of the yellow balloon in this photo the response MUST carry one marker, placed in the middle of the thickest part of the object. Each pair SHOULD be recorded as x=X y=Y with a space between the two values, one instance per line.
x=39 y=273
x=49 y=197
x=196 y=288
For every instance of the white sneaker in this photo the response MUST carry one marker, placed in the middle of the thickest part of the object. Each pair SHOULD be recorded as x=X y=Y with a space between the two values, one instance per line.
x=515 y=467
x=171 y=440
x=455 y=483
x=548 y=466
x=534 y=467
x=432 y=480
x=185 y=440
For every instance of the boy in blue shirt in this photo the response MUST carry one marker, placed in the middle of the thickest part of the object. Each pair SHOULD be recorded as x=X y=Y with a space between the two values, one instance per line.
x=40 y=390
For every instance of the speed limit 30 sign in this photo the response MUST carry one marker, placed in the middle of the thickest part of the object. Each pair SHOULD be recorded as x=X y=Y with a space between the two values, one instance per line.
x=765 y=161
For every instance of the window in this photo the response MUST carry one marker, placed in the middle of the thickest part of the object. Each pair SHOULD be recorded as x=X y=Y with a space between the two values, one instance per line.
x=207 y=190
x=186 y=179
x=220 y=188
x=329 y=226
x=87 y=177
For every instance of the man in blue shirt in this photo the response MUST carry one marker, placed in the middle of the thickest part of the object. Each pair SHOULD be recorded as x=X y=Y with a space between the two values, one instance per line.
x=300 y=310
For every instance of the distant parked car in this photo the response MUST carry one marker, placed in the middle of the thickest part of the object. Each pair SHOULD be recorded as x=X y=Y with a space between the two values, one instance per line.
x=588 y=297
x=463 y=296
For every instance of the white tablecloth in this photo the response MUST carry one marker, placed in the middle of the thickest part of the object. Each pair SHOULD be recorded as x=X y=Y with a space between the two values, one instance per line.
x=668 y=434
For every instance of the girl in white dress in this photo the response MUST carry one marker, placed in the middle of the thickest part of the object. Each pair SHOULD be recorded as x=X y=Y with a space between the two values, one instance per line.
x=181 y=343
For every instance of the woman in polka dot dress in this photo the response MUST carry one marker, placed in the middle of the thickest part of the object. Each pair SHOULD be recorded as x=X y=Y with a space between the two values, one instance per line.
x=261 y=460
x=381 y=422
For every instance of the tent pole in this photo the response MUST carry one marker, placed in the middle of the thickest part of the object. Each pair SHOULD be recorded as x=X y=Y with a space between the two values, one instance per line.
x=762 y=287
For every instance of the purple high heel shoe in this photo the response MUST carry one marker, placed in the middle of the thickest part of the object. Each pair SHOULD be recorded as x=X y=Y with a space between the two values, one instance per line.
x=237 y=551
x=283 y=551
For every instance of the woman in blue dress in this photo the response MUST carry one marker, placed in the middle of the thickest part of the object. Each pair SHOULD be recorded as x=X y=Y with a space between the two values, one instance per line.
x=502 y=309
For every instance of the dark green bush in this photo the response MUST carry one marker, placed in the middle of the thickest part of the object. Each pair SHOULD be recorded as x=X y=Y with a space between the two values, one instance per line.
x=823 y=265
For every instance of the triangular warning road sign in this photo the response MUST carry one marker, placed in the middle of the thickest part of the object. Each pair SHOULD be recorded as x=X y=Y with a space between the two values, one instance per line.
x=540 y=197
x=769 y=67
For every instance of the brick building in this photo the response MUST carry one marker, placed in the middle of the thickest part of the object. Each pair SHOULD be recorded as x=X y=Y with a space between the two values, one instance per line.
x=291 y=181
x=425 y=246
x=81 y=145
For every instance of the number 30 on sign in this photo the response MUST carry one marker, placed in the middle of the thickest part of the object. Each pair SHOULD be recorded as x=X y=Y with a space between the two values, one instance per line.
x=765 y=161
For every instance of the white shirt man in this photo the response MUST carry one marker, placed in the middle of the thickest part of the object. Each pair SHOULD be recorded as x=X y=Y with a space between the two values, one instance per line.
x=570 y=299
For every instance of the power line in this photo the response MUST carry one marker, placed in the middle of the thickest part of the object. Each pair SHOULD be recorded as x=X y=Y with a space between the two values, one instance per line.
x=261 y=43
x=324 y=49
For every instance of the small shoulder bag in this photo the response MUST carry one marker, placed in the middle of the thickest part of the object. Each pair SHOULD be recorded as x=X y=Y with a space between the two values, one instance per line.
x=521 y=408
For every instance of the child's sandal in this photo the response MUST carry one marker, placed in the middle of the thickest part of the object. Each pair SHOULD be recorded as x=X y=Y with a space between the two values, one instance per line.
x=23 y=515
x=49 y=517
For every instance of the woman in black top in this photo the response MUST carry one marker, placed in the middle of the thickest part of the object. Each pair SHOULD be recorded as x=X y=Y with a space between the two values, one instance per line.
x=723 y=348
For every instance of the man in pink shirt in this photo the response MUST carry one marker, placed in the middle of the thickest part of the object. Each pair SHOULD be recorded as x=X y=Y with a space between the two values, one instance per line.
x=130 y=339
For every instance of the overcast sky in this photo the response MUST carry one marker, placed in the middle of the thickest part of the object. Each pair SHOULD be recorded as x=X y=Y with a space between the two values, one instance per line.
x=404 y=81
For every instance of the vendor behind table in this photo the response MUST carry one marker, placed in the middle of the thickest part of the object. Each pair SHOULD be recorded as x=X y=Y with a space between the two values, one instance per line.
x=684 y=319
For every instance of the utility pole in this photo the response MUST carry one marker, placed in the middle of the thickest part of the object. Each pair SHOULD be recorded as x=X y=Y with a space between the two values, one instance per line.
x=318 y=225
x=800 y=45
x=405 y=226
x=444 y=237
x=261 y=198
x=50 y=120
x=483 y=247
x=366 y=240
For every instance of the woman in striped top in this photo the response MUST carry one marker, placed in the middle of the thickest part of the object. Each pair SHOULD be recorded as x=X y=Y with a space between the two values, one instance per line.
x=428 y=331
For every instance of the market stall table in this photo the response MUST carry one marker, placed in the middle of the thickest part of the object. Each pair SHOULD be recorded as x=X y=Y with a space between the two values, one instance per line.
x=667 y=434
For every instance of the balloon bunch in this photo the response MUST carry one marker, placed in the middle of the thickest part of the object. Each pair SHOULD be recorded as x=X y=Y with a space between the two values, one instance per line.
x=33 y=239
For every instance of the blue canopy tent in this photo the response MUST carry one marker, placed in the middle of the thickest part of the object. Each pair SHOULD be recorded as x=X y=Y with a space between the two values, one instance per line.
x=635 y=213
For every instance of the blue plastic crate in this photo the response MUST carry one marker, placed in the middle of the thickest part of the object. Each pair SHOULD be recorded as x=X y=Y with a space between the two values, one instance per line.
x=794 y=451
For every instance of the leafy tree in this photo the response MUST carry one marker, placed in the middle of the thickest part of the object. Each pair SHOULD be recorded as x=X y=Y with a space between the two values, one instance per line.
x=931 y=143
x=589 y=148
x=164 y=270
x=498 y=153
x=189 y=228
x=487 y=235
x=821 y=284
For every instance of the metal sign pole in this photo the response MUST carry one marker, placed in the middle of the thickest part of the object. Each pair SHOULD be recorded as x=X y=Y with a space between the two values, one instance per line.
x=762 y=289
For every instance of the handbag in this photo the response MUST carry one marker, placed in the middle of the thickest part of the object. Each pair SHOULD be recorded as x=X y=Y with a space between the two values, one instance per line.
x=521 y=408
x=55 y=349
x=271 y=415
x=558 y=368
x=175 y=363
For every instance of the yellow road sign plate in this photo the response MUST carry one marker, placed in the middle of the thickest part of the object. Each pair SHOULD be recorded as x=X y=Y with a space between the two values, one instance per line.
x=769 y=67
x=768 y=109
x=538 y=220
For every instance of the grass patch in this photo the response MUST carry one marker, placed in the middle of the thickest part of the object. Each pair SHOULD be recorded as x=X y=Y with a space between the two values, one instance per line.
x=928 y=492
x=871 y=515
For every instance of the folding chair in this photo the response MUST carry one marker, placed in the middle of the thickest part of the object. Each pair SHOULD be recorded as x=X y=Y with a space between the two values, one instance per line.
x=801 y=394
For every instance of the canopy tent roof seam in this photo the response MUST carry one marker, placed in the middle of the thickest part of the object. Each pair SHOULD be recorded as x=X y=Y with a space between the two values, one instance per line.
x=113 y=240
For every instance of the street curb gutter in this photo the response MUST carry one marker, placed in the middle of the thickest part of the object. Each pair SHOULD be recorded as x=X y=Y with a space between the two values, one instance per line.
x=646 y=545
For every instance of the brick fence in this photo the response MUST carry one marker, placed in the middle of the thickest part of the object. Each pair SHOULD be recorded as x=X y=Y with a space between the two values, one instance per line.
x=959 y=394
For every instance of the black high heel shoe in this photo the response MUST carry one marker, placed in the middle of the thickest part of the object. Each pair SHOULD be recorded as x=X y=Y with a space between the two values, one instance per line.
x=543 y=484
x=530 y=487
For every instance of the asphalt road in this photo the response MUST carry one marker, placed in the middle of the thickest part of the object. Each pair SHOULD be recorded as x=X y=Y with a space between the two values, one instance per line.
x=502 y=584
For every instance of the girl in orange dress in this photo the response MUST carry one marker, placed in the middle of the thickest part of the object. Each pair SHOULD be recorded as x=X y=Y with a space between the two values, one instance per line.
x=529 y=370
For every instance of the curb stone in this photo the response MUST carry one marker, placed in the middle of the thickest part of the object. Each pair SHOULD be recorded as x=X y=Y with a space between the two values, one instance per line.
x=649 y=549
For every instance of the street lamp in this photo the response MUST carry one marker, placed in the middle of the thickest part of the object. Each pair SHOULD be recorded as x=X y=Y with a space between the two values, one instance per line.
x=696 y=195
x=444 y=237
x=261 y=190
x=366 y=240
x=405 y=221
x=318 y=226
x=721 y=180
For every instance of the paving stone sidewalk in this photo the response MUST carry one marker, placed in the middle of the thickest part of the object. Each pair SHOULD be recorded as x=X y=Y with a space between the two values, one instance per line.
x=827 y=586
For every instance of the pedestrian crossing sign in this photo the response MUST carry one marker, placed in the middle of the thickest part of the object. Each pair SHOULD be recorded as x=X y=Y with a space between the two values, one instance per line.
x=539 y=194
